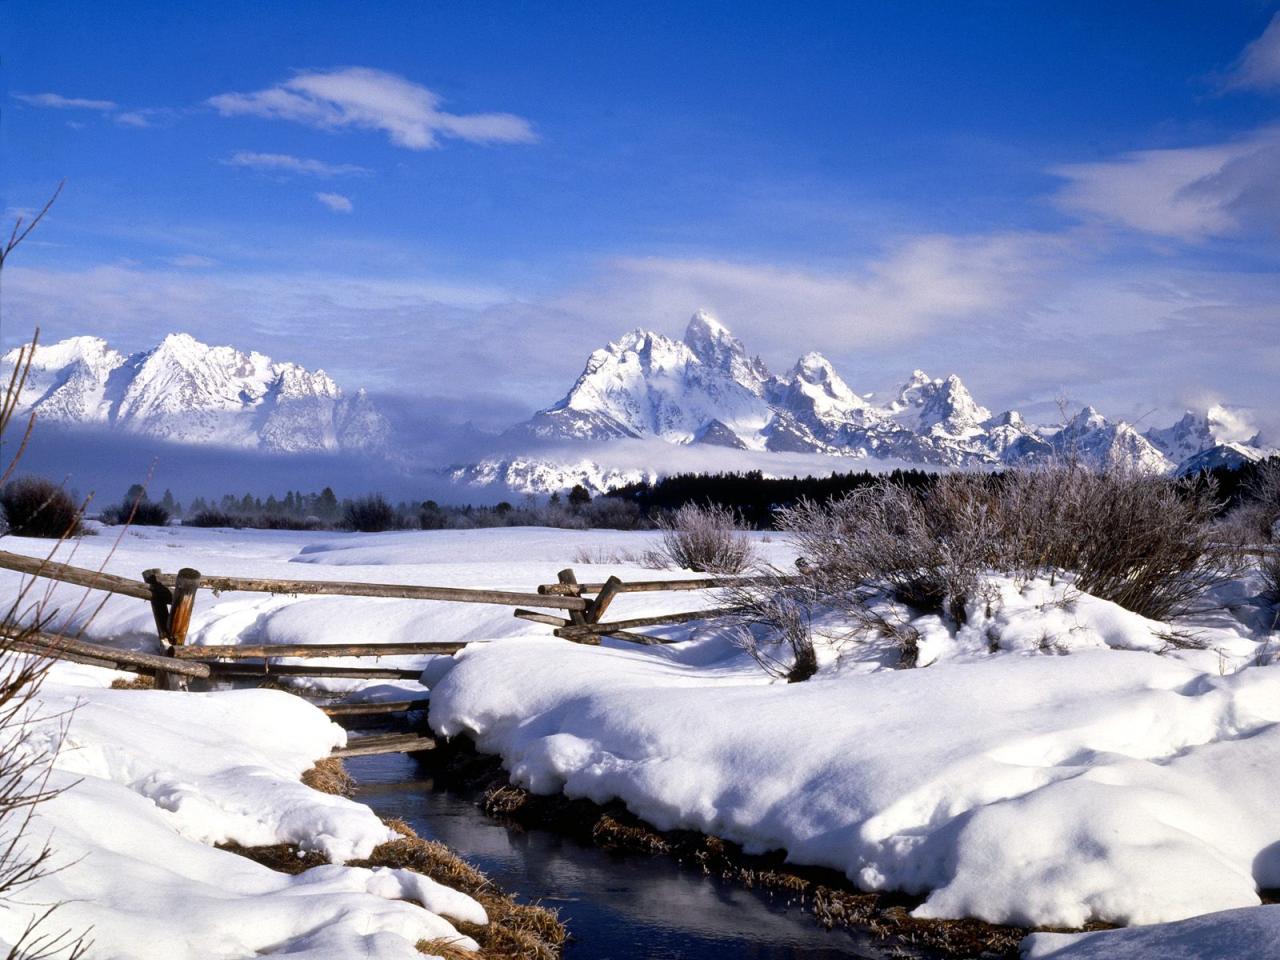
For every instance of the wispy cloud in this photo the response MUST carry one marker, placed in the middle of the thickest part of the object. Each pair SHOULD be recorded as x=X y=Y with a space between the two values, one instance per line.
x=58 y=102
x=1259 y=65
x=336 y=202
x=1189 y=193
x=191 y=261
x=368 y=99
x=915 y=287
x=286 y=163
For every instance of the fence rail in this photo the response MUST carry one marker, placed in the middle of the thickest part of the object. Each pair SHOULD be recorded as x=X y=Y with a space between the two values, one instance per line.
x=173 y=596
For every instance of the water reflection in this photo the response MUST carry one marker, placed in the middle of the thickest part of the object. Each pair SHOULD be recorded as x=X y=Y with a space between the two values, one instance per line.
x=618 y=906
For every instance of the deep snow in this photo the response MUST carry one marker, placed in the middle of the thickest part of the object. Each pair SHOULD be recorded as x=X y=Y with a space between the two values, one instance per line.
x=151 y=779
x=1055 y=761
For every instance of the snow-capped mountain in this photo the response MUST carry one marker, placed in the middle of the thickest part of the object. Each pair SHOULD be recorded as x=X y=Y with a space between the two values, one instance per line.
x=707 y=390
x=184 y=391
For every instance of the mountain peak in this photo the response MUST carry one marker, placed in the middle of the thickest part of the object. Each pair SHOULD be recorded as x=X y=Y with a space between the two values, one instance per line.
x=185 y=391
x=711 y=342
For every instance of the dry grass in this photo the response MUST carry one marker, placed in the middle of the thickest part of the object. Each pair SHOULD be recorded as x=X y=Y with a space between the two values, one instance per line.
x=140 y=682
x=330 y=776
x=516 y=931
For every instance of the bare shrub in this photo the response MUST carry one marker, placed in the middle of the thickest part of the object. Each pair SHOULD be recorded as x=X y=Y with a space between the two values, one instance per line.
x=1270 y=567
x=616 y=556
x=926 y=550
x=137 y=513
x=1146 y=543
x=370 y=514
x=211 y=518
x=1261 y=508
x=26 y=763
x=36 y=507
x=1143 y=542
x=705 y=539
x=783 y=612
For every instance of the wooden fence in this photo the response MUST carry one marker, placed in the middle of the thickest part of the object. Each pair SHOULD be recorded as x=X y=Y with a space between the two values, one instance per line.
x=578 y=608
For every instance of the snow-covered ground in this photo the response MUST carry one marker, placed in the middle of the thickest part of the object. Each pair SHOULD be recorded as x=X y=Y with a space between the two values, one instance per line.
x=1055 y=761
x=150 y=780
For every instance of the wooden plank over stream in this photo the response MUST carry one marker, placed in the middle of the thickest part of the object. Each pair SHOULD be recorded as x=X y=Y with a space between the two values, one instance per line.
x=374 y=707
x=265 y=669
x=385 y=743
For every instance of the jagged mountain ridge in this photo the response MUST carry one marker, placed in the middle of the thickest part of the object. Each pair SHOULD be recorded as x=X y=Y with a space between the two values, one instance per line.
x=187 y=392
x=705 y=389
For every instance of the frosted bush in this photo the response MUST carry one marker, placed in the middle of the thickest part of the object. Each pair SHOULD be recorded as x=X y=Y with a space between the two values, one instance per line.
x=705 y=539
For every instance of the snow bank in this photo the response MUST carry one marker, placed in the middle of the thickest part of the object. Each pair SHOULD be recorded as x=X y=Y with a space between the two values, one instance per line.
x=1229 y=935
x=151 y=779
x=1000 y=782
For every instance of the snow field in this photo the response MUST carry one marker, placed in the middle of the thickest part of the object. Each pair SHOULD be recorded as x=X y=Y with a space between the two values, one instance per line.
x=1054 y=761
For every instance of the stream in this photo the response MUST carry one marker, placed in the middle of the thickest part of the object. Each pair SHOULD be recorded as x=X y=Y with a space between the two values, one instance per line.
x=618 y=906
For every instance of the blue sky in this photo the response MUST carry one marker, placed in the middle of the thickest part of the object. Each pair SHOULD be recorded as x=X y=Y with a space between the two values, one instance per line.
x=456 y=203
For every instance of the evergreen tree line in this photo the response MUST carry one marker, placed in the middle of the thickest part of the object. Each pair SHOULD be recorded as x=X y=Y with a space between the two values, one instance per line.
x=754 y=499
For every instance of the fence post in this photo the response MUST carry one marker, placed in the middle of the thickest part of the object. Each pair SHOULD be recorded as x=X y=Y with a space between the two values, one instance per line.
x=172 y=612
x=567 y=577
x=612 y=587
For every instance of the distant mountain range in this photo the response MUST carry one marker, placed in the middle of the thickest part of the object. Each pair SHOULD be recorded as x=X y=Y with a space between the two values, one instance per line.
x=644 y=405
x=183 y=391
x=707 y=390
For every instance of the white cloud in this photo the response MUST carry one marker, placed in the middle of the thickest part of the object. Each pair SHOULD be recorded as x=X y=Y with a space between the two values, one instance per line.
x=59 y=102
x=922 y=284
x=134 y=118
x=285 y=163
x=368 y=99
x=1259 y=65
x=1189 y=193
x=191 y=261
x=336 y=202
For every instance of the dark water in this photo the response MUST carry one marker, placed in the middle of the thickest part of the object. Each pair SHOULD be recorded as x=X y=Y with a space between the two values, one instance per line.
x=618 y=906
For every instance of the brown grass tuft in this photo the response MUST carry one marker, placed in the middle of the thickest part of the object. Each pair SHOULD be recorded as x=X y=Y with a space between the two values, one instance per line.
x=444 y=948
x=610 y=832
x=330 y=776
x=280 y=857
x=516 y=931
x=504 y=800
x=139 y=682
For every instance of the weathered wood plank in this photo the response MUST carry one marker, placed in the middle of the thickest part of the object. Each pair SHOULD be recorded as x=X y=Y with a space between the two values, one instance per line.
x=218 y=669
x=669 y=618
x=78 y=576
x=543 y=618
x=260 y=651
x=392 y=743
x=585 y=635
x=398 y=591
x=58 y=646
x=662 y=586
x=372 y=709
x=569 y=580
x=612 y=587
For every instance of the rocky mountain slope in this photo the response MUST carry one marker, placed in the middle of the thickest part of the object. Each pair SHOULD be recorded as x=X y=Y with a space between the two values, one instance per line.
x=707 y=390
x=184 y=391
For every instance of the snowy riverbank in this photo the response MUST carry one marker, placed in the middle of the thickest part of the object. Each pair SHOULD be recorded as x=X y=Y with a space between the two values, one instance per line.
x=151 y=780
